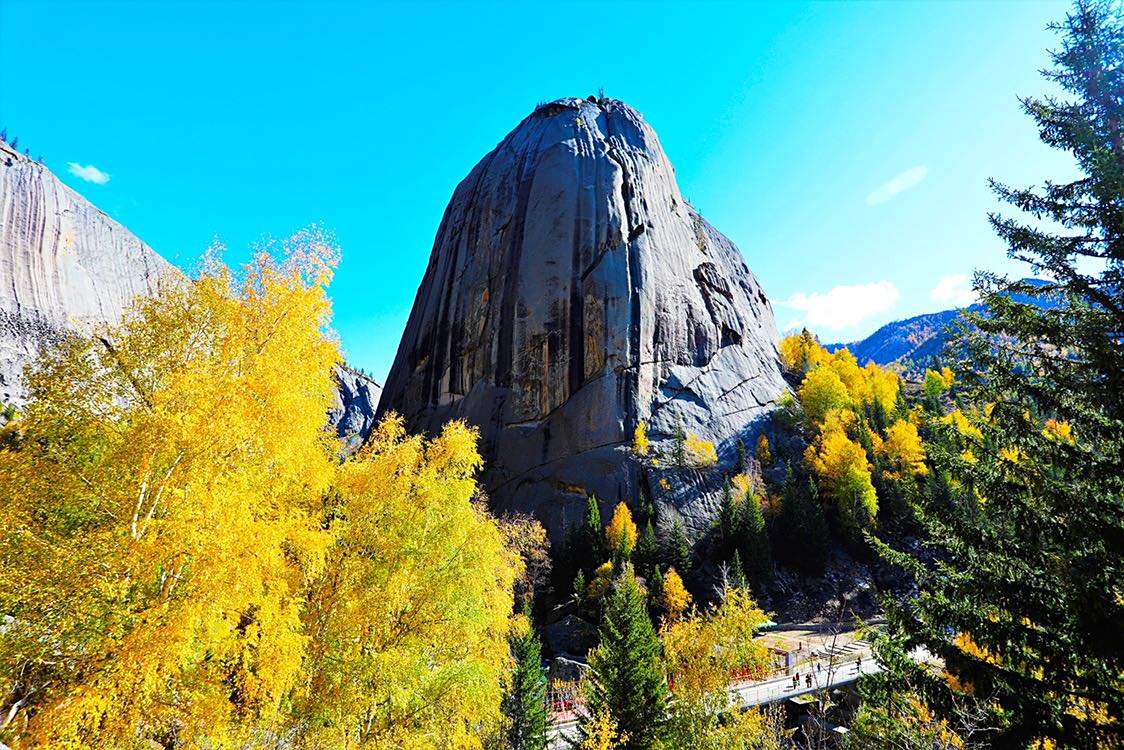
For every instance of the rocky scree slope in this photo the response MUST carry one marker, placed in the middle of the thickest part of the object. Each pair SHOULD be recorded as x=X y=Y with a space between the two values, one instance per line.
x=67 y=266
x=571 y=294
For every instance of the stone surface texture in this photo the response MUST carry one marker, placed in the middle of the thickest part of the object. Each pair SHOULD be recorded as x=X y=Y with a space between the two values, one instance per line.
x=572 y=293
x=66 y=266
x=357 y=398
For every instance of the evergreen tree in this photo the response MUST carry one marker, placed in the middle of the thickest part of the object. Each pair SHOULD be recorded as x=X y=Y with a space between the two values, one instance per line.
x=727 y=522
x=679 y=446
x=754 y=542
x=1025 y=608
x=524 y=705
x=677 y=550
x=742 y=463
x=655 y=595
x=647 y=551
x=804 y=533
x=737 y=572
x=645 y=510
x=627 y=679
x=591 y=551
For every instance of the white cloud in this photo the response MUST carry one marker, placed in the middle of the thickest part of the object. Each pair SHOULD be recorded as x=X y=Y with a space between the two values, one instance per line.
x=89 y=173
x=899 y=184
x=842 y=306
x=955 y=290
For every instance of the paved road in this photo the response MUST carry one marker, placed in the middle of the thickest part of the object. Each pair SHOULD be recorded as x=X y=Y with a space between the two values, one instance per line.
x=772 y=690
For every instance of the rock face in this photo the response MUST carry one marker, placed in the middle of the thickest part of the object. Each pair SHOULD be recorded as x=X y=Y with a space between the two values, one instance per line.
x=64 y=265
x=571 y=294
x=67 y=266
x=357 y=398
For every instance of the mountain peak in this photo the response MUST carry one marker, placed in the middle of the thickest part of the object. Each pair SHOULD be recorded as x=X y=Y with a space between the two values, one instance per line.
x=571 y=295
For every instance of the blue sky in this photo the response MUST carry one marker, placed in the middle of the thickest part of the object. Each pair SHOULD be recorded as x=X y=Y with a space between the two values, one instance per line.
x=844 y=147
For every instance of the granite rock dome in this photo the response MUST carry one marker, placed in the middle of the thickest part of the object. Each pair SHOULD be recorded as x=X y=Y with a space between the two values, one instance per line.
x=572 y=293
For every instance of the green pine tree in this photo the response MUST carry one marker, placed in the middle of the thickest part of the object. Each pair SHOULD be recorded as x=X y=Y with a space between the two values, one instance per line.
x=754 y=542
x=742 y=463
x=679 y=446
x=592 y=547
x=524 y=705
x=677 y=550
x=579 y=587
x=737 y=572
x=655 y=595
x=627 y=679
x=727 y=523
x=646 y=510
x=1030 y=551
x=804 y=537
x=647 y=551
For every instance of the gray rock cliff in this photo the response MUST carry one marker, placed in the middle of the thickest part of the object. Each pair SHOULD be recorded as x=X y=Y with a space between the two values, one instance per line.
x=571 y=294
x=67 y=266
x=64 y=265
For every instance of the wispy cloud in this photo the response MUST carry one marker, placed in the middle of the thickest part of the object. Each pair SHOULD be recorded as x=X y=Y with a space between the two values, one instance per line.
x=842 y=306
x=898 y=184
x=89 y=173
x=955 y=290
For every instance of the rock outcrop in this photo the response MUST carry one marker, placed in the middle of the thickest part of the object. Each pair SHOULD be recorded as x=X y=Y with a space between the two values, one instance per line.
x=572 y=293
x=357 y=398
x=67 y=266
x=64 y=265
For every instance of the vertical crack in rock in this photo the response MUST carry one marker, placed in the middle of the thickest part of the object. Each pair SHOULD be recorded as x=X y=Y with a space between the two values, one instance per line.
x=571 y=294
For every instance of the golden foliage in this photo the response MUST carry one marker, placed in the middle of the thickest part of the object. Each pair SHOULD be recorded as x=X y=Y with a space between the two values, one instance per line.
x=186 y=557
x=527 y=538
x=1011 y=455
x=163 y=512
x=602 y=580
x=704 y=651
x=409 y=621
x=801 y=352
x=764 y=453
x=964 y=642
x=621 y=532
x=842 y=465
x=602 y=734
x=823 y=391
x=676 y=598
x=959 y=420
x=640 y=443
x=701 y=454
x=904 y=450
x=1058 y=430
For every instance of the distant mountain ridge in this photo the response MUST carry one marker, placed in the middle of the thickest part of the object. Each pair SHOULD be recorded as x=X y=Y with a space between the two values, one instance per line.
x=911 y=341
x=914 y=342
